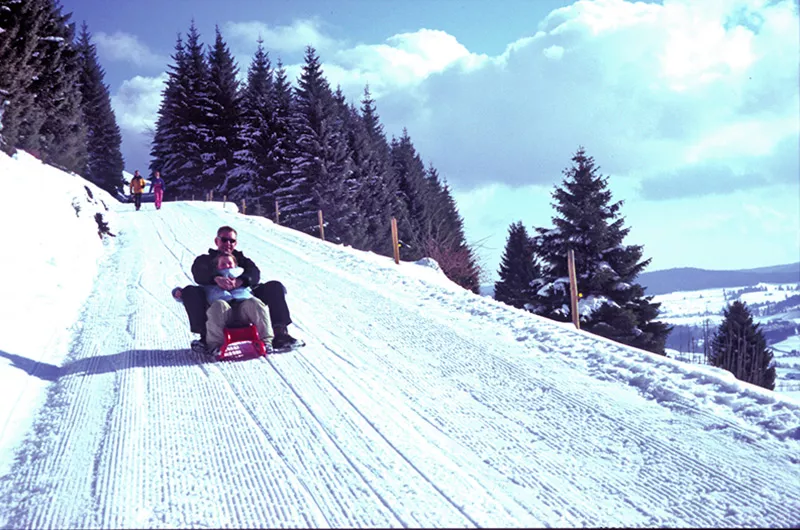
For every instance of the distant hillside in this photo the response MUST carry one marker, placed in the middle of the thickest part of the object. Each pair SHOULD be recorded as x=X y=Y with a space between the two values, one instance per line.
x=692 y=279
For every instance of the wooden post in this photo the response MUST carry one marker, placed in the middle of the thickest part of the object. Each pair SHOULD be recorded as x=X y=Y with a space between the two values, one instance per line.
x=224 y=200
x=573 y=288
x=395 y=241
x=192 y=196
x=277 y=213
x=321 y=227
x=244 y=208
x=211 y=195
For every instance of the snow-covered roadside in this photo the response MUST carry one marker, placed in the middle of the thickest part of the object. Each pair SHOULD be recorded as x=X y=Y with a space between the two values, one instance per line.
x=51 y=258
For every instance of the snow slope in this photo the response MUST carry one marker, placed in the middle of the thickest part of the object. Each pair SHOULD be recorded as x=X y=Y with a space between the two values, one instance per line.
x=414 y=403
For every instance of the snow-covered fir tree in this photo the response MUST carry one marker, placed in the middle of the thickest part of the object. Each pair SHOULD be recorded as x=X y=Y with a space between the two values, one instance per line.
x=62 y=136
x=39 y=83
x=409 y=173
x=22 y=24
x=164 y=156
x=253 y=178
x=739 y=346
x=284 y=152
x=355 y=223
x=180 y=144
x=319 y=180
x=518 y=268
x=379 y=196
x=613 y=305
x=104 y=163
x=223 y=119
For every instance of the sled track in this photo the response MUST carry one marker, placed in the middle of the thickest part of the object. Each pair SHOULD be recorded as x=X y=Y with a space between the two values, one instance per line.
x=473 y=362
x=389 y=417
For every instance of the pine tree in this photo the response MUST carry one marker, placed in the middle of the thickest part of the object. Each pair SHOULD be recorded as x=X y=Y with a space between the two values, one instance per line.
x=284 y=152
x=409 y=173
x=739 y=346
x=355 y=221
x=165 y=155
x=62 y=136
x=223 y=119
x=181 y=145
x=254 y=178
x=104 y=164
x=518 y=268
x=379 y=190
x=319 y=180
x=21 y=24
x=590 y=224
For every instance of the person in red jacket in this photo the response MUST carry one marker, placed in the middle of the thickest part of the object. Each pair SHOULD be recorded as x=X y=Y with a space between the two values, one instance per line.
x=157 y=185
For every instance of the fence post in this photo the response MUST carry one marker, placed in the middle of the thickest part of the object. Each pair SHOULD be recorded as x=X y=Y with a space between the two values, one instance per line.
x=277 y=213
x=211 y=195
x=192 y=196
x=321 y=227
x=244 y=208
x=224 y=200
x=573 y=288
x=395 y=241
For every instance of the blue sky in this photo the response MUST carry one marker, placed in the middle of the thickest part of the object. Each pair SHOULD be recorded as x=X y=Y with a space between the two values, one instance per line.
x=690 y=108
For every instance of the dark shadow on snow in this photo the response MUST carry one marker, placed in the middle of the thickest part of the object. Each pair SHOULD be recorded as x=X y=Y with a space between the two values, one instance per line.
x=102 y=364
x=44 y=371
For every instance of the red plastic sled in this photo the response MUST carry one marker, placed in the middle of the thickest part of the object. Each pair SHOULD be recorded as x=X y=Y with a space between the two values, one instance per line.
x=247 y=334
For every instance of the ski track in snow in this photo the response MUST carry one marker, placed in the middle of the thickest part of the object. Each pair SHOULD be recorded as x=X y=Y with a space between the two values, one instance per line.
x=391 y=416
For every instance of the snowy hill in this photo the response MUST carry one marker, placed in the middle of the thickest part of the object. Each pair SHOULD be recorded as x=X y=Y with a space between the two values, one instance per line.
x=776 y=307
x=415 y=403
x=693 y=279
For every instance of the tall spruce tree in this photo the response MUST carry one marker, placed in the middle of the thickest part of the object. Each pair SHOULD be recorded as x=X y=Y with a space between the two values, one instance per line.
x=223 y=119
x=165 y=155
x=182 y=147
x=62 y=135
x=739 y=346
x=104 y=164
x=590 y=224
x=254 y=177
x=22 y=24
x=379 y=192
x=413 y=215
x=284 y=152
x=319 y=180
x=355 y=222
x=518 y=268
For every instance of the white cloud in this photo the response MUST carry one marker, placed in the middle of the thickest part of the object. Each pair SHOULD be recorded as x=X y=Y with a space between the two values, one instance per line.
x=125 y=47
x=680 y=101
x=136 y=102
x=291 y=38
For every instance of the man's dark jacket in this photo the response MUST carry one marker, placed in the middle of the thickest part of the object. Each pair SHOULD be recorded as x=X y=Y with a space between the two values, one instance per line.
x=204 y=268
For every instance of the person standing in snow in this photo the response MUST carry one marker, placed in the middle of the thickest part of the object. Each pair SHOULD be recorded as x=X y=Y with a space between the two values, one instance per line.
x=137 y=188
x=157 y=184
x=204 y=271
x=233 y=307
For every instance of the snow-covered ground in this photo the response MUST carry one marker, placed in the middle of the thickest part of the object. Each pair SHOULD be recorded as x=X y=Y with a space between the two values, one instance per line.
x=414 y=403
x=692 y=308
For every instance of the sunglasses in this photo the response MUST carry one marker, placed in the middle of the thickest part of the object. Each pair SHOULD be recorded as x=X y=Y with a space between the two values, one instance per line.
x=228 y=240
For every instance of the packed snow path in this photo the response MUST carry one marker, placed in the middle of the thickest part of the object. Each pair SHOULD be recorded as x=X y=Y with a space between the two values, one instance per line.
x=412 y=405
